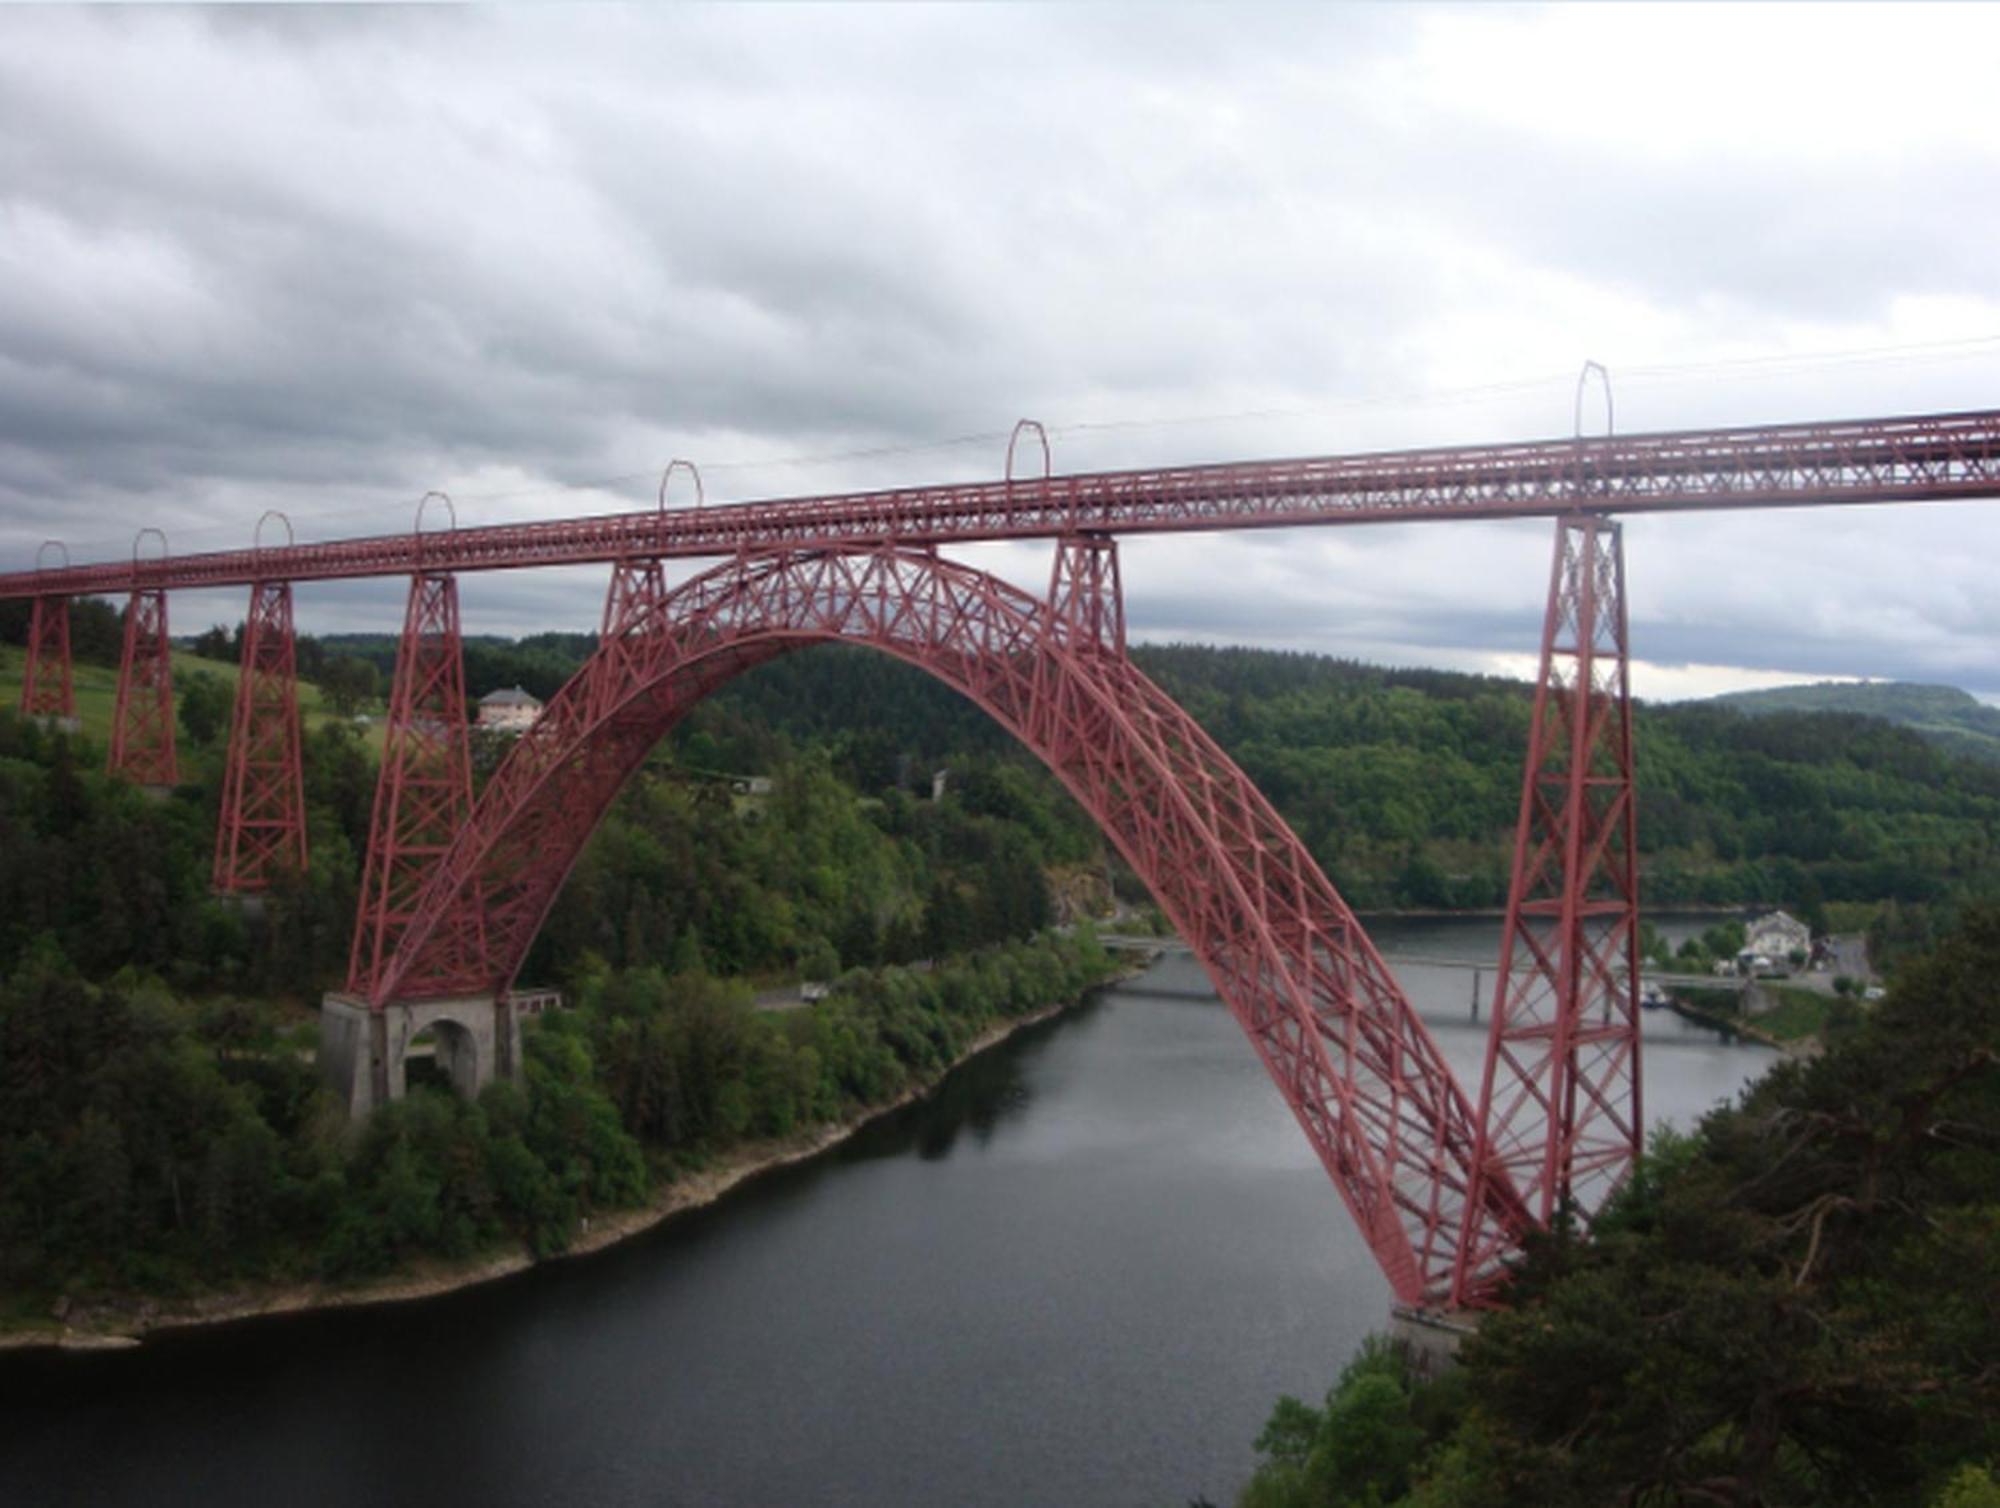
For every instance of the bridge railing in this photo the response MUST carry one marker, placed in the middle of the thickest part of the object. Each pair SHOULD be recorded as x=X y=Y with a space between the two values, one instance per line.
x=1921 y=458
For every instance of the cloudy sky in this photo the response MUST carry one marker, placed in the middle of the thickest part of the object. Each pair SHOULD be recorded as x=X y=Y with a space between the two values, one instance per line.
x=324 y=260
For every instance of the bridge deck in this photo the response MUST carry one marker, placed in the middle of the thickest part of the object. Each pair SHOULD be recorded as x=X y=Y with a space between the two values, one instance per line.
x=1915 y=459
x=1164 y=945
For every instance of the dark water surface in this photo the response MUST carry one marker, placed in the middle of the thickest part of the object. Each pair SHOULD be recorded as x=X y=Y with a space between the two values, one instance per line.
x=1079 y=1274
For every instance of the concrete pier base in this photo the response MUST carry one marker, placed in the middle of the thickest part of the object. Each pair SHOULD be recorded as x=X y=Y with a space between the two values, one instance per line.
x=1433 y=1336
x=248 y=904
x=363 y=1053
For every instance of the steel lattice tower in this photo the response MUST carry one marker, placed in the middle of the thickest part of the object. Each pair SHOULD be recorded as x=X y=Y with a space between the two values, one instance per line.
x=263 y=828
x=423 y=794
x=142 y=725
x=1560 y=1117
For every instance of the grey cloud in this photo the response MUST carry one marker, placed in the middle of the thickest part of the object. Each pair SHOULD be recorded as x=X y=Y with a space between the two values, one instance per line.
x=323 y=260
x=1681 y=234
x=751 y=273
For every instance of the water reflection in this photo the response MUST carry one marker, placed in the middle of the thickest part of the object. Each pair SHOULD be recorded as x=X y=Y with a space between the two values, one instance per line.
x=974 y=1099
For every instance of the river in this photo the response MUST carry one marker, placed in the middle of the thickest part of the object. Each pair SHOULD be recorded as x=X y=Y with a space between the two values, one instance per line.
x=1080 y=1274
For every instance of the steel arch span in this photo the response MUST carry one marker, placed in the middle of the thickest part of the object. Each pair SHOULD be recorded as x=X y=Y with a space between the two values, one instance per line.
x=1362 y=1074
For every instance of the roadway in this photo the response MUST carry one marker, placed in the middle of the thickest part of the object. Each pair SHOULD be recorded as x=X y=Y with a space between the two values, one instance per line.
x=1666 y=979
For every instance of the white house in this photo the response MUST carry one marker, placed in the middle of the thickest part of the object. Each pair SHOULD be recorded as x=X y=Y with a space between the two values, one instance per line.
x=1774 y=938
x=511 y=711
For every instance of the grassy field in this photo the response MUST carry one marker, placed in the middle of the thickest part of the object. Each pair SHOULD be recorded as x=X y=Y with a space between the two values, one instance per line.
x=97 y=690
x=1798 y=1014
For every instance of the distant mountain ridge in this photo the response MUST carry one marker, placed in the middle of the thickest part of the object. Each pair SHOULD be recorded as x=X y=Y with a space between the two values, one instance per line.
x=1953 y=719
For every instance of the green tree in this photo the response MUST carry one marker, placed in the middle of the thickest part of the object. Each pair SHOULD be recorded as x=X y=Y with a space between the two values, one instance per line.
x=1970 y=1487
x=218 y=643
x=204 y=703
x=1362 y=1448
x=349 y=683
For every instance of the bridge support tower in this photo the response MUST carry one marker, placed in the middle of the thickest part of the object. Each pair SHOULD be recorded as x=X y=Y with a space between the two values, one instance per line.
x=1431 y=1337
x=46 y=690
x=262 y=833
x=423 y=793
x=423 y=797
x=142 y=727
x=1559 y=1113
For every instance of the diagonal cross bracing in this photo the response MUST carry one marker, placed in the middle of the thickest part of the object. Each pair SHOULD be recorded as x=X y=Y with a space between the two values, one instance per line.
x=262 y=831
x=1361 y=1073
x=1559 y=1119
x=423 y=792
x=142 y=722
x=46 y=686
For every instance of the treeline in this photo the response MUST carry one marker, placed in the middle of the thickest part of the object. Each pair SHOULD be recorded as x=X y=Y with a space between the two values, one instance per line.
x=1405 y=784
x=811 y=879
x=352 y=668
x=96 y=628
x=540 y=663
x=97 y=636
x=1798 y=1304
x=161 y=1124
x=95 y=872
x=356 y=670
x=153 y=1144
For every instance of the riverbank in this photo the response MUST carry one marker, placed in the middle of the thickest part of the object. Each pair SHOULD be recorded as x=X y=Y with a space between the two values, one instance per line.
x=121 y=1324
x=1808 y=1045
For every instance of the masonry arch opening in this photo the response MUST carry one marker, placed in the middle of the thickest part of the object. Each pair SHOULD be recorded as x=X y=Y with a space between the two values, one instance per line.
x=444 y=1054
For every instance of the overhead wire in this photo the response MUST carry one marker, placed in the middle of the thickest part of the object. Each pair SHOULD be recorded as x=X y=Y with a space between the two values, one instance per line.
x=1901 y=353
x=1860 y=355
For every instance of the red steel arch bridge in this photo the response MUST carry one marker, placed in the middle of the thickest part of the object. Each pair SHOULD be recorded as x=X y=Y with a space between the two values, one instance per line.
x=1444 y=1180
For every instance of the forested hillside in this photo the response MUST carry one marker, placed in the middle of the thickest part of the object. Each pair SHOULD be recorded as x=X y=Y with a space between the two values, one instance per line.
x=1799 y=1304
x=811 y=878
x=1954 y=720
x=162 y=1128
x=1406 y=784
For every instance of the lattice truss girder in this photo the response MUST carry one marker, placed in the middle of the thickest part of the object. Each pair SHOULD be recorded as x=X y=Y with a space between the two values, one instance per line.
x=1903 y=459
x=1361 y=1072
x=1560 y=1101
x=262 y=831
x=142 y=723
